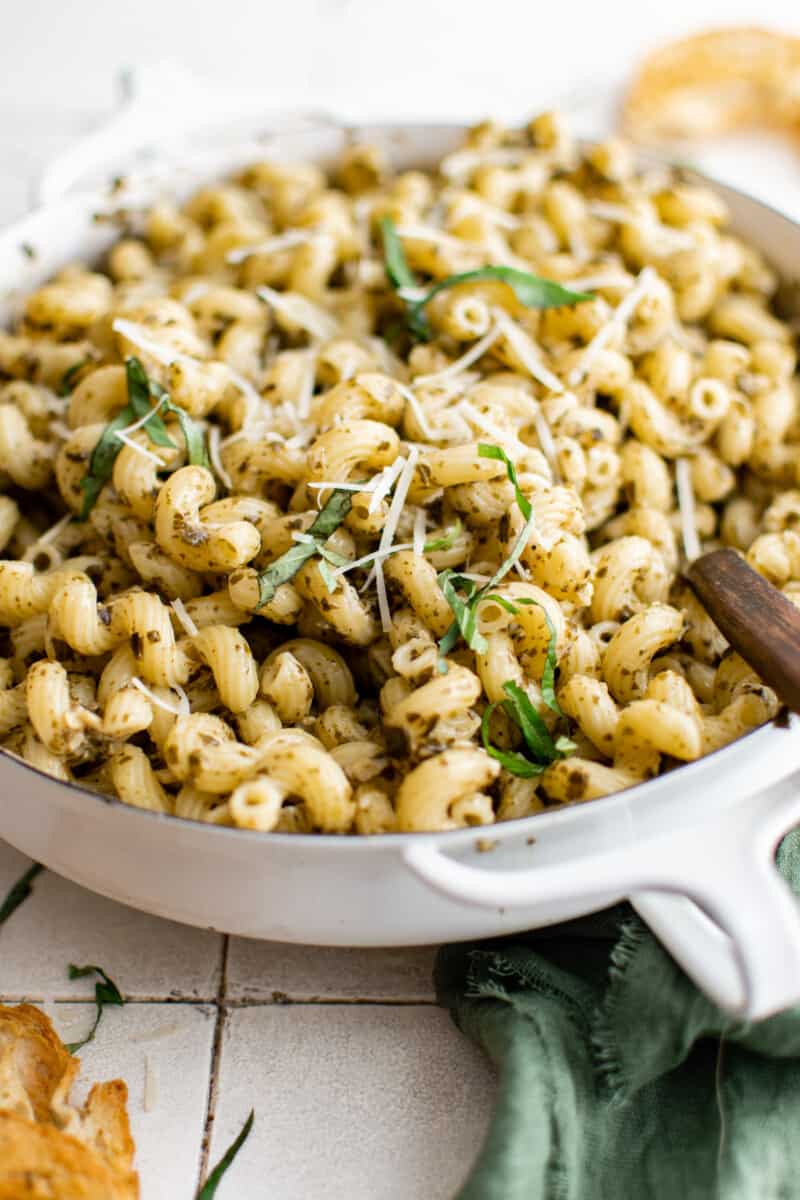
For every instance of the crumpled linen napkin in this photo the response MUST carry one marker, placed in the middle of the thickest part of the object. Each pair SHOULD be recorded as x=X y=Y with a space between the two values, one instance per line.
x=618 y=1079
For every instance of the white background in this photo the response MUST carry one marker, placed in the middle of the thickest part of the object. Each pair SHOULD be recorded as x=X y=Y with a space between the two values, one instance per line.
x=60 y=62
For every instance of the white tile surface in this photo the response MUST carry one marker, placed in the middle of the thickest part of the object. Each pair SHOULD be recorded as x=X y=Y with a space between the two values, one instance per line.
x=269 y=971
x=363 y=1102
x=177 y=1039
x=61 y=923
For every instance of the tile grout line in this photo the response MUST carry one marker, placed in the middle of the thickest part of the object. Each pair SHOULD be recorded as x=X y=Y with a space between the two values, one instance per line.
x=216 y=1055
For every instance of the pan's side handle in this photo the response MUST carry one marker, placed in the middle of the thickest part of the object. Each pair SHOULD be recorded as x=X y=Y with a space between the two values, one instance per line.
x=710 y=891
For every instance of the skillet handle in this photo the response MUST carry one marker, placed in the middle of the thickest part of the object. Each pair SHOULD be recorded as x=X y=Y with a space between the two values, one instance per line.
x=710 y=892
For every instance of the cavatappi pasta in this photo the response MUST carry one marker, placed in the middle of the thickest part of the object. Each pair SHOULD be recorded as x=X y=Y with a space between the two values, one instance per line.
x=292 y=544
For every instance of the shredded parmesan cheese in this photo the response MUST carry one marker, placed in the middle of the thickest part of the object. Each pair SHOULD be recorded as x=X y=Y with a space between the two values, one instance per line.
x=195 y=291
x=181 y=709
x=591 y=283
x=375 y=557
x=504 y=437
x=140 y=337
x=683 y=485
x=389 y=531
x=46 y=538
x=416 y=408
x=619 y=319
x=476 y=351
x=428 y=233
x=300 y=311
x=214 y=455
x=273 y=245
x=182 y=613
x=521 y=345
x=132 y=445
x=385 y=483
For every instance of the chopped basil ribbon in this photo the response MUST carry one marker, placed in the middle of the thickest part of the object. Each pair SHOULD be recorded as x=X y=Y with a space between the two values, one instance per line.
x=327 y=521
x=531 y=290
x=18 y=892
x=209 y=1188
x=105 y=992
x=141 y=391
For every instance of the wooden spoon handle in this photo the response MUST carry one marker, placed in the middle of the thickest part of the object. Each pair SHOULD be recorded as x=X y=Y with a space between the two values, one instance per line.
x=757 y=619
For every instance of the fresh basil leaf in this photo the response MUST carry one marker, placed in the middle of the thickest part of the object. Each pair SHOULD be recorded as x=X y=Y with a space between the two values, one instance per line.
x=452 y=584
x=70 y=376
x=19 y=892
x=209 y=1188
x=400 y=276
x=446 y=541
x=193 y=435
x=141 y=390
x=487 y=450
x=106 y=993
x=503 y=602
x=533 y=729
x=512 y=760
x=101 y=464
x=397 y=269
x=327 y=521
x=531 y=290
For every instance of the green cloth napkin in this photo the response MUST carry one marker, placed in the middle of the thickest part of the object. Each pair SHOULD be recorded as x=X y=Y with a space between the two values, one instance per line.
x=618 y=1079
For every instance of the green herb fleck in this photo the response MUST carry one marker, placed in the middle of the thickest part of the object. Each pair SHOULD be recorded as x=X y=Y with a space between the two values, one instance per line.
x=19 y=892
x=105 y=992
x=286 y=567
x=446 y=541
x=209 y=1188
x=531 y=290
x=70 y=376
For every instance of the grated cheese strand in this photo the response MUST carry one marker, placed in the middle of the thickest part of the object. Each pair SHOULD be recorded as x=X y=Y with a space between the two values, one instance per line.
x=214 y=436
x=618 y=319
x=692 y=547
x=503 y=436
x=273 y=245
x=390 y=529
x=182 y=709
x=385 y=483
x=375 y=557
x=132 y=445
x=476 y=351
x=182 y=613
x=140 y=337
x=319 y=323
x=129 y=429
x=521 y=345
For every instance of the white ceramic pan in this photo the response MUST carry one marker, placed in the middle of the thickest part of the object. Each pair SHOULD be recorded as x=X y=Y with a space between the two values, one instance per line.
x=692 y=850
